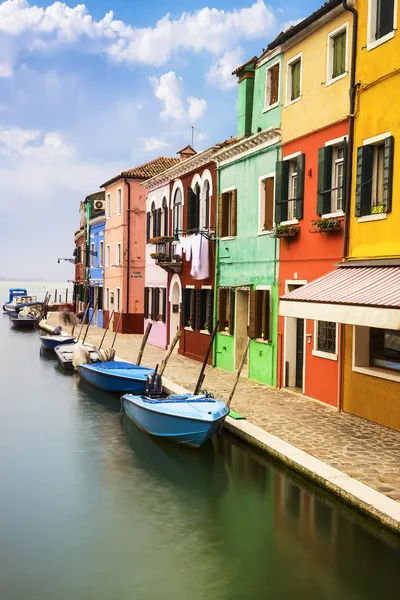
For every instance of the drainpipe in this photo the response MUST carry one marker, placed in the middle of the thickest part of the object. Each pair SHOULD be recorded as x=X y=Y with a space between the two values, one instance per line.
x=352 y=94
x=216 y=271
x=128 y=255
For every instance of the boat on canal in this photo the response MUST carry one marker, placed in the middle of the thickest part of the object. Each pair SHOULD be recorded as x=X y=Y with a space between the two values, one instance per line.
x=116 y=376
x=182 y=418
x=65 y=355
x=50 y=342
x=17 y=299
x=22 y=322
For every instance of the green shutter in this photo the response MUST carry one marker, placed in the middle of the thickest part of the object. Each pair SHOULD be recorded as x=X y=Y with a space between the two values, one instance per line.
x=185 y=306
x=191 y=209
x=346 y=165
x=388 y=173
x=385 y=18
x=324 y=180
x=146 y=302
x=281 y=191
x=364 y=180
x=295 y=80
x=301 y=160
x=339 y=55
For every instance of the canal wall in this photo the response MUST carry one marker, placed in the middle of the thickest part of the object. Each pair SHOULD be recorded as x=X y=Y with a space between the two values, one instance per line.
x=351 y=491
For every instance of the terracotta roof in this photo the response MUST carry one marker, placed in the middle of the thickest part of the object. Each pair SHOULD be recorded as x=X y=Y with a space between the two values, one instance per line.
x=95 y=196
x=147 y=170
x=246 y=64
x=187 y=150
x=294 y=29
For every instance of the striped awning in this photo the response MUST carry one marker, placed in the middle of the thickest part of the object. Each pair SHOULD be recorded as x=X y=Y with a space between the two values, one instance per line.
x=367 y=296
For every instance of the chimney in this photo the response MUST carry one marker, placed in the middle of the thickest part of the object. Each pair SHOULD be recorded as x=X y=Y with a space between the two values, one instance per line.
x=186 y=153
x=245 y=74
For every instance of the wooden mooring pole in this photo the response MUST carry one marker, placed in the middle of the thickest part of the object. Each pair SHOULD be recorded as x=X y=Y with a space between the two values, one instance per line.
x=203 y=368
x=243 y=360
x=106 y=329
x=90 y=320
x=116 y=331
x=169 y=352
x=144 y=342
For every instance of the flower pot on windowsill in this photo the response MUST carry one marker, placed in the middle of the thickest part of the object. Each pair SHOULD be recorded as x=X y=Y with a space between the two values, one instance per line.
x=161 y=239
x=325 y=225
x=286 y=231
x=158 y=256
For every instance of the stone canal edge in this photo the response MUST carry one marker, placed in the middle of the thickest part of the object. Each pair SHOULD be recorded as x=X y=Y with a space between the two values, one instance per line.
x=354 y=493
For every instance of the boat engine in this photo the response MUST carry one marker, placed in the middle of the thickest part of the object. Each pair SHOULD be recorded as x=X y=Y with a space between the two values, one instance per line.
x=154 y=385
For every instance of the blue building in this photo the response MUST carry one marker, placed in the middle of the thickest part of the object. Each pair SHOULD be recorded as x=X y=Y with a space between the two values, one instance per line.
x=96 y=267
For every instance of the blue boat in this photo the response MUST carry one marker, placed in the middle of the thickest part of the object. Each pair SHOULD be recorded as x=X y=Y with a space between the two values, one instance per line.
x=23 y=322
x=17 y=299
x=186 y=419
x=116 y=376
x=50 y=342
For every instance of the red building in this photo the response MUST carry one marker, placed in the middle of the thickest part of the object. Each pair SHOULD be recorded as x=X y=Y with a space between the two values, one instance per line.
x=80 y=269
x=312 y=168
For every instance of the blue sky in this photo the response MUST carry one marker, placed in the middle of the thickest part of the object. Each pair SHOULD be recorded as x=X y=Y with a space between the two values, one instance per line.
x=84 y=96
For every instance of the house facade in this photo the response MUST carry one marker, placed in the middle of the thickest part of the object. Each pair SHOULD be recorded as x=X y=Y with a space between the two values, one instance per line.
x=246 y=274
x=79 y=289
x=310 y=190
x=96 y=268
x=125 y=243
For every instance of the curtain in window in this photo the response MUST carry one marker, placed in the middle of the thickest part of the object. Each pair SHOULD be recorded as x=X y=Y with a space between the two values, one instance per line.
x=339 y=54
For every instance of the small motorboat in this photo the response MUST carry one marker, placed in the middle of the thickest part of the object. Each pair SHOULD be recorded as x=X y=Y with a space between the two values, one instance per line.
x=56 y=338
x=184 y=418
x=116 y=376
x=65 y=355
x=17 y=300
x=20 y=322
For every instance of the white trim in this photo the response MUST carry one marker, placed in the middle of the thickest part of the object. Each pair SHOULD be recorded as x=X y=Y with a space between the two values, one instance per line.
x=177 y=184
x=108 y=205
x=229 y=189
x=376 y=139
x=371 y=26
x=260 y=180
x=298 y=282
x=196 y=179
x=268 y=107
x=266 y=144
x=268 y=56
x=377 y=372
x=329 y=54
x=206 y=287
x=361 y=353
x=190 y=287
x=228 y=237
x=291 y=156
x=116 y=201
x=264 y=287
x=320 y=353
x=118 y=296
x=289 y=78
x=377 y=217
x=188 y=328
x=118 y=258
x=291 y=222
x=368 y=316
x=108 y=256
x=338 y=213
x=107 y=302
x=336 y=141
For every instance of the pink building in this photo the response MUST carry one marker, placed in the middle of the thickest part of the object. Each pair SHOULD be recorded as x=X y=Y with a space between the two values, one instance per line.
x=125 y=245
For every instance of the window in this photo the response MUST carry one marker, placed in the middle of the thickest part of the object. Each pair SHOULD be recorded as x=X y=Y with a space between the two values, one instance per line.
x=162 y=305
x=227 y=214
x=101 y=259
x=118 y=202
x=259 y=315
x=188 y=307
x=205 y=206
x=153 y=220
x=177 y=212
x=108 y=203
x=337 y=54
x=100 y=298
x=374 y=176
x=293 y=86
x=117 y=299
x=289 y=189
x=382 y=20
x=108 y=256
x=331 y=166
x=266 y=203
x=272 y=86
x=325 y=338
x=79 y=254
x=164 y=217
x=118 y=256
x=146 y=302
x=385 y=348
x=193 y=208
x=205 y=310
x=92 y=254
x=107 y=298
x=225 y=310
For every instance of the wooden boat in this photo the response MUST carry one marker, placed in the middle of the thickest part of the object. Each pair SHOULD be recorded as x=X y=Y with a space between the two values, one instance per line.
x=50 y=342
x=18 y=299
x=65 y=354
x=187 y=419
x=116 y=376
x=23 y=322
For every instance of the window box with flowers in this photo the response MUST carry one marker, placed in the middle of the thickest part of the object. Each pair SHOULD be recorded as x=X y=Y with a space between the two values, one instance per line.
x=285 y=231
x=325 y=225
x=158 y=255
x=161 y=239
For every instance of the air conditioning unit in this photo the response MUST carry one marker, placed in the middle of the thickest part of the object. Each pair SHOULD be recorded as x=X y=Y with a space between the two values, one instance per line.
x=99 y=204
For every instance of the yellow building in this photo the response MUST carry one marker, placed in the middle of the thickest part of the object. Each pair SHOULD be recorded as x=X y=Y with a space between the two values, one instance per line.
x=363 y=295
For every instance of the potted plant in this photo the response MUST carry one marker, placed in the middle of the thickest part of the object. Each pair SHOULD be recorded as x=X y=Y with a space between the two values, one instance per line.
x=158 y=255
x=286 y=231
x=326 y=225
x=159 y=318
x=161 y=239
x=206 y=326
x=226 y=327
x=189 y=323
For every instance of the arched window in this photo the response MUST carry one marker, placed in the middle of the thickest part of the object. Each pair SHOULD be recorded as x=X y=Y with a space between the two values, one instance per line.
x=205 y=205
x=177 y=211
x=197 y=212
x=164 y=217
x=153 y=231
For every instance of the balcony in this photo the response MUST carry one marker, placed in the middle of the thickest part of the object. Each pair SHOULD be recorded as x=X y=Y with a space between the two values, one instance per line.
x=164 y=255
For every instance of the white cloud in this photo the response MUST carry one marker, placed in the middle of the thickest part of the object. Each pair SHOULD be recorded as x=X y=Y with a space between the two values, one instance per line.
x=220 y=75
x=153 y=143
x=32 y=143
x=208 y=29
x=168 y=89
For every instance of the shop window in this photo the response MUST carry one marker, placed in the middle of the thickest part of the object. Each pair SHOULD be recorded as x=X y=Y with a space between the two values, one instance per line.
x=266 y=203
x=188 y=308
x=260 y=315
x=225 y=310
x=204 y=310
x=272 y=85
x=375 y=177
x=385 y=348
x=227 y=214
x=289 y=189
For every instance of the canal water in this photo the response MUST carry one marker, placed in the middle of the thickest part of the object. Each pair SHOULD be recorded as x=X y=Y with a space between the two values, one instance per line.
x=93 y=509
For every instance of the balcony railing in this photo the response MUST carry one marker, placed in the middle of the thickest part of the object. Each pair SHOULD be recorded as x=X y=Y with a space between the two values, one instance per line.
x=165 y=256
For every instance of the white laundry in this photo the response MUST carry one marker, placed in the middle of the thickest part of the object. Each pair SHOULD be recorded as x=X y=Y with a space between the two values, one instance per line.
x=196 y=250
x=188 y=247
x=177 y=249
x=204 y=266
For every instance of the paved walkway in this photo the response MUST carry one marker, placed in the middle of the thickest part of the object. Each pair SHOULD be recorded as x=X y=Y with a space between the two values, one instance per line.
x=361 y=449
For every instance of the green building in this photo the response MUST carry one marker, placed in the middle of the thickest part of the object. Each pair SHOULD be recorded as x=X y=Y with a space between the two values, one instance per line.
x=247 y=252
